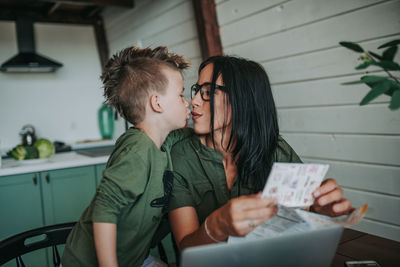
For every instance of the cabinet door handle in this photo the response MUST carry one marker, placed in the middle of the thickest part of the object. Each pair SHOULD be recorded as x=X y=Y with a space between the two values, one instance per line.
x=47 y=178
x=34 y=179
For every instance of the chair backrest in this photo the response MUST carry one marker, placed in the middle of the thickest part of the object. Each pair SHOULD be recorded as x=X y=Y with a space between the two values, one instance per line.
x=14 y=246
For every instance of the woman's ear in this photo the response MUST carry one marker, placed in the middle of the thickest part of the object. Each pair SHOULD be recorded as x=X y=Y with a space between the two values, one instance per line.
x=155 y=104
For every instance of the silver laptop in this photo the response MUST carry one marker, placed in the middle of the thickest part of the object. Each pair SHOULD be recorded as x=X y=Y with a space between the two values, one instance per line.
x=311 y=248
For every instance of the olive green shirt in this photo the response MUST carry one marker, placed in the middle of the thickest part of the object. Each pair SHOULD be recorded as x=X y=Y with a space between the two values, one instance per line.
x=133 y=194
x=199 y=176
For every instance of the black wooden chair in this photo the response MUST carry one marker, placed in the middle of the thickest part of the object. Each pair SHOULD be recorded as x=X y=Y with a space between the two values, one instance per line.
x=14 y=247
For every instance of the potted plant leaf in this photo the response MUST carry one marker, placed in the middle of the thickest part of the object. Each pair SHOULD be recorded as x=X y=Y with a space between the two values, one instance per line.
x=389 y=84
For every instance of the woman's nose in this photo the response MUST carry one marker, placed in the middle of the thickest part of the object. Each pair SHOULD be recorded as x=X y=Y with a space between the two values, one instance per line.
x=196 y=99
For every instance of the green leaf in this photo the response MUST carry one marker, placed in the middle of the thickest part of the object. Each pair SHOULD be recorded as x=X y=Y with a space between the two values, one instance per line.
x=364 y=65
x=390 y=92
x=377 y=90
x=393 y=87
x=387 y=65
x=372 y=78
x=395 y=102
x=391 y=43
x=353 y=82
x=389 y=53
x=375 y=55
x=395 y=84
x=352 y=46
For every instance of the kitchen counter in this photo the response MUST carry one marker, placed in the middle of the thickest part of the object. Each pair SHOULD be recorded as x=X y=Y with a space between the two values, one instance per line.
x=58 y=161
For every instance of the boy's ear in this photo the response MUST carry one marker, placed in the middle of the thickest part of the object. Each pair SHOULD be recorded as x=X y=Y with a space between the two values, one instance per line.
x=155 y=104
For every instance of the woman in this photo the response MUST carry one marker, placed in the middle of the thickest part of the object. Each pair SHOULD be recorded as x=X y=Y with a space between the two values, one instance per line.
x=221 y=169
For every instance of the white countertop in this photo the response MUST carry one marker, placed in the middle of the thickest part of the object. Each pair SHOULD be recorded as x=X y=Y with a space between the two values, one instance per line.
x=58 y=161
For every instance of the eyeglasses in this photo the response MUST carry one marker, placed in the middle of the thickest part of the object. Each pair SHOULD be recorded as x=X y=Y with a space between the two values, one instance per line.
x=205 y=90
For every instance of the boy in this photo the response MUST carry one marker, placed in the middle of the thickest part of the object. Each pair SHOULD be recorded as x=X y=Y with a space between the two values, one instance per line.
x=145 y=86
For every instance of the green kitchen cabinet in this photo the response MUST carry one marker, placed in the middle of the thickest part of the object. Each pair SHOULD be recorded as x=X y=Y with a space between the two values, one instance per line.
x=66 y=193
x=99 y=173
x=32 y=200
x=21 y=210
x=21 y=204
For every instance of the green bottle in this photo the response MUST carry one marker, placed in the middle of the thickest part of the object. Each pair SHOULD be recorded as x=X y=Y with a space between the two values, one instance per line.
x=106 y=121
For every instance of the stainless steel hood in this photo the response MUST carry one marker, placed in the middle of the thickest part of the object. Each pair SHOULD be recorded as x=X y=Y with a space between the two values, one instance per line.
x=27 y=60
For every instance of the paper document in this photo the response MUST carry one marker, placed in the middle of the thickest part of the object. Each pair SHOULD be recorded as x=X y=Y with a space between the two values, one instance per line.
x=291 y=220
x=292 y=184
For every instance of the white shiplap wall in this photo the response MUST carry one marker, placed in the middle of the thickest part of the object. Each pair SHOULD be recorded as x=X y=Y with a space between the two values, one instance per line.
x=297 y=43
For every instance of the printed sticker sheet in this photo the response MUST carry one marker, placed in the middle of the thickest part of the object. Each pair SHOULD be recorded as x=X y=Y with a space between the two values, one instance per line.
x=292 y=184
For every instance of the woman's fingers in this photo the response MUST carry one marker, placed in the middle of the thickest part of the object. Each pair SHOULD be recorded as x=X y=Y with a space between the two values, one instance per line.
x=247 y=212
x=252 y=219
x=251 y=202
x=342 y=207
x=327 y=186
x=329 y=199
x=338 y=208
x=262 y=214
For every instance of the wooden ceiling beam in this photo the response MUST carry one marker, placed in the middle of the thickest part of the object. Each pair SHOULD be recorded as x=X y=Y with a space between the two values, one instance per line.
x=207 y=28
x=91 y=11
x=101 y=41
x=67 y=18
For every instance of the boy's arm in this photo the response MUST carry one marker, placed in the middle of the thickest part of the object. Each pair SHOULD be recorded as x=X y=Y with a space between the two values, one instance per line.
x=105 y=241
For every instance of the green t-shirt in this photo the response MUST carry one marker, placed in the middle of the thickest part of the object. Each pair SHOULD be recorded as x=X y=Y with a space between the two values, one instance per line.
x=199 y=176
x=133 y=194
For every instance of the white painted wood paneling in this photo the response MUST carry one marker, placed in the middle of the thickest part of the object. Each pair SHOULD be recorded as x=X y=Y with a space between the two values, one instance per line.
x=341 y=119
x=357 y=26
x=192 y=72
x=234 y=10
x=139 y=16
x=191 y=49
x=378 y=228
x=167 y=20
x=176 y=21
x=114 y=16
x=367 y=177
x=380 y=207
x=323 y=92
x=320 y=64
x=357 y=148
x=286 y=16
x=182 y=32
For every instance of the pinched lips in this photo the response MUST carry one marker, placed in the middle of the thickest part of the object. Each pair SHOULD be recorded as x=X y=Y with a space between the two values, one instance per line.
x=195 y=115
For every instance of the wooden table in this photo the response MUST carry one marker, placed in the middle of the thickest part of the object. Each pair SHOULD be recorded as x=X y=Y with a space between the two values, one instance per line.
x=355 y=245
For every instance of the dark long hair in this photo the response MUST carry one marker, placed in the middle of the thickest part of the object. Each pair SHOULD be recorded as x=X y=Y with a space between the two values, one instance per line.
x=254 y=136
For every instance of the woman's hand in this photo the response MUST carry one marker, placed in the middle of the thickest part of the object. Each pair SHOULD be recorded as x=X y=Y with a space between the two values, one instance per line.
x=240 y=216
x=329 y=200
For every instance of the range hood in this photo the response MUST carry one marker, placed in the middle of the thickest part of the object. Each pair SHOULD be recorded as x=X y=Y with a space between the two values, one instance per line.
x=27 y=60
